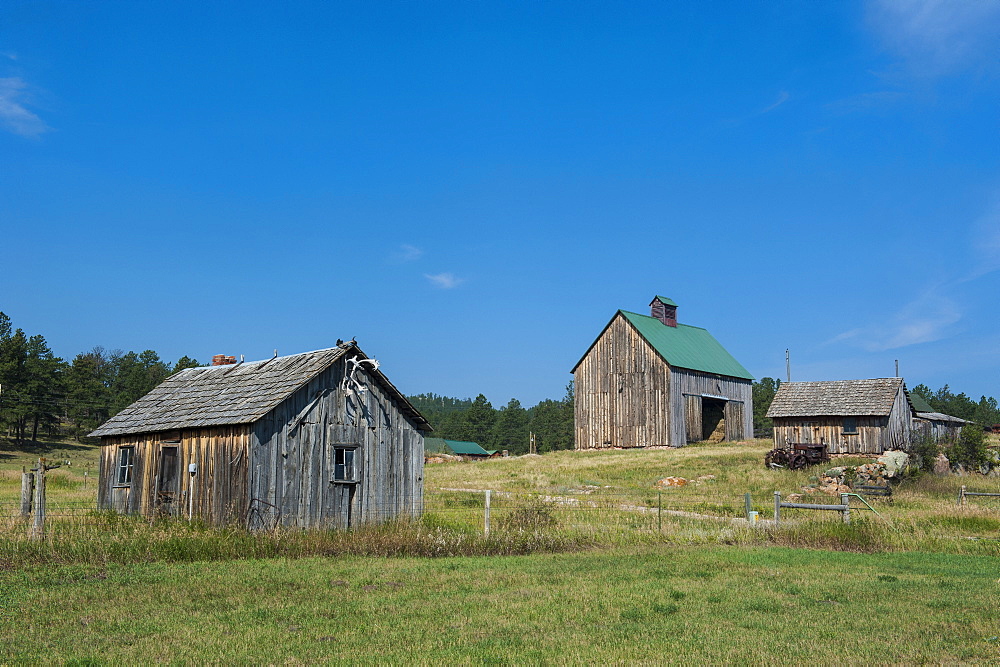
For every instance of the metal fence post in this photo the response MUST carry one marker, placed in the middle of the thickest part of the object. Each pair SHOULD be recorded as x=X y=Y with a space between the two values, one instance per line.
x=659 y=511
x=777 y=507
x=486 y=523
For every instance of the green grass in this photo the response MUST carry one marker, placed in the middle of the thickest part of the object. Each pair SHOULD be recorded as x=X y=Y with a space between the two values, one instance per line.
x=579 y=567
x=653 y=604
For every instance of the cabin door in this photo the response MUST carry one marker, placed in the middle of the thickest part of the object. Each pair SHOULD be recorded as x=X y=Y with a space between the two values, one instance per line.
x=692 y=418
x=168 y=477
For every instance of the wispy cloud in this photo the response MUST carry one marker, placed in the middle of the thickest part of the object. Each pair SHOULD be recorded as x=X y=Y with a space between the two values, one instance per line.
x=783 y=97
x=925 y=319
x=407 y=253
x=938 y=36
x=444 y=280
x=14 y=115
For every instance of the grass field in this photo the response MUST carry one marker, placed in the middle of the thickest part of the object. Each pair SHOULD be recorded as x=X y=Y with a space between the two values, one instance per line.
x=594 y=582
x=653 y=604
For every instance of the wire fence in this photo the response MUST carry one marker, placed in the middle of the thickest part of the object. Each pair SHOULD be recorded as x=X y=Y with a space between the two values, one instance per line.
x=590 y=511
x=459 y=508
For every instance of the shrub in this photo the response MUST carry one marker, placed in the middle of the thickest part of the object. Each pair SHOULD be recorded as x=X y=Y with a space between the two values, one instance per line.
x=969 y=451
x=925 y=451
x=534 y=516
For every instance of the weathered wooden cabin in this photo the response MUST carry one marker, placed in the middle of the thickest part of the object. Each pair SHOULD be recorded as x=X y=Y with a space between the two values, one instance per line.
x=648 y=380
x=931 y=424
x=314 y=440
x=849 y=416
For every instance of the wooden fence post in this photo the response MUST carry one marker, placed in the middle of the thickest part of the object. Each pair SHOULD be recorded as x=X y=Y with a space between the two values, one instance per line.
x=961 y=496
x=38 y=526
x=845 y=500
x=777 y=507
x=27 y=491
x=486 y=523
x=748 y=502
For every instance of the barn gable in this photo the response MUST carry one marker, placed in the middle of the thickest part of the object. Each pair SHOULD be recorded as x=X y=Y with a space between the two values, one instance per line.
x=649 y=380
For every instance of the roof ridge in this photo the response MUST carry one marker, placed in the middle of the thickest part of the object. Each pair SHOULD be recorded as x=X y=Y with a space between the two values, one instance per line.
x=650 y=317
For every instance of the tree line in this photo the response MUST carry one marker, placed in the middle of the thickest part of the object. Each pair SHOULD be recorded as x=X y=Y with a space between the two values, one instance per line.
x=43 y=393
x=476 y=420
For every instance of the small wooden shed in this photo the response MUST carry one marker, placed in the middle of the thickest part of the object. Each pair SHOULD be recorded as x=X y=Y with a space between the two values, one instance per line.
x=849 y=416
x=931 y=424
x=320 y=439
x=648 y=380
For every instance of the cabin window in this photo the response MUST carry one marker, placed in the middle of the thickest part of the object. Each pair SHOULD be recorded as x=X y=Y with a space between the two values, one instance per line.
x=126 y=461
x=850 y=425
x=345 y=463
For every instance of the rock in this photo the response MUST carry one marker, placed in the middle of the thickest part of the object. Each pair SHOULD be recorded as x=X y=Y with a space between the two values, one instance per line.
x=893 y=461
x=942 y=466
x=672 y=481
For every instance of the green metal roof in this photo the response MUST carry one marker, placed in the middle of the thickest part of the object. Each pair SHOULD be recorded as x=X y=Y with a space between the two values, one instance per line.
x=685 y=346
x=435 y=446
x=467 y=448
x=663 y=299
x=919 y=404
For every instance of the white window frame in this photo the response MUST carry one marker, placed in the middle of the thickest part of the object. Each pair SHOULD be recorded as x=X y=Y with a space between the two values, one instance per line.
x=126 y=464
x=346 y=462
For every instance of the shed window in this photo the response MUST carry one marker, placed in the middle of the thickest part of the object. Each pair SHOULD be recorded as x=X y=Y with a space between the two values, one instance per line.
x=345 y=468
x=850 y=425
x=126 y=460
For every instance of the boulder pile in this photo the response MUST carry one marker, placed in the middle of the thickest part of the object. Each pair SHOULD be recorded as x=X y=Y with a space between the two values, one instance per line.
x=841 y=479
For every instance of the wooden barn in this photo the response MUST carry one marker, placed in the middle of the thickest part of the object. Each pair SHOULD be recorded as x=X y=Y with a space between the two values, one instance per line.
x=315 y=440
x=935 y=425
x=849 y=416
x=648 y=381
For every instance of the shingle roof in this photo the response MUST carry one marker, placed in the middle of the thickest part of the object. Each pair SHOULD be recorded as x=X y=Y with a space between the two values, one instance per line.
x=685 y=346
x=836 y=398
x=941 y=417
x=231 y=394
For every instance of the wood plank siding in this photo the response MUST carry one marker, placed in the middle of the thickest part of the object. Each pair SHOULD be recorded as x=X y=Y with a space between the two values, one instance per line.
x=293 y=450
x=627 y=395
x=283 y=465
x=873 y=434
x=219 y=486
x=692 y=388
x=622 y=390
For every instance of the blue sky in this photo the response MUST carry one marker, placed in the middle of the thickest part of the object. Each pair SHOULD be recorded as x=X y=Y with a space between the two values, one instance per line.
x=472 y=189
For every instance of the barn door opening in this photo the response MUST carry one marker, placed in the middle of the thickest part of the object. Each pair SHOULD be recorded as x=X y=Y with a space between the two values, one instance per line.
x=168 y=478
x=713 y=419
